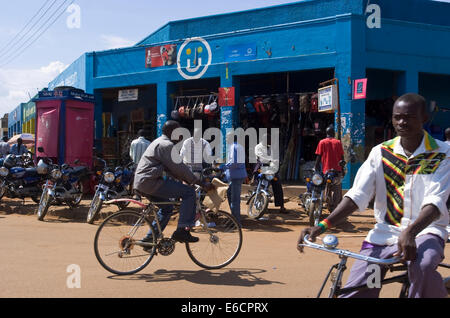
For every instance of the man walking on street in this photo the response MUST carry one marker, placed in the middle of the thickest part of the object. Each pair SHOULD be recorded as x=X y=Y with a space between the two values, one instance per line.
x=410 y=179
x=330 y=154
x=196 y=151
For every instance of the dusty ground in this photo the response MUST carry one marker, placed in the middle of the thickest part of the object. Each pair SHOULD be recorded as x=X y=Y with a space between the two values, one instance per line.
x=35 y=257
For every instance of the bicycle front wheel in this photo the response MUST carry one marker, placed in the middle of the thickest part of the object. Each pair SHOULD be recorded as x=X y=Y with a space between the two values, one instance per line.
x=115 y=243
x=220 y=240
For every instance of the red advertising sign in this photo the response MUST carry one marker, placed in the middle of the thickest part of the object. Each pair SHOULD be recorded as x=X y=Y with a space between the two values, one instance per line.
x=227 y=96
x=161 y=56
x=360 y=88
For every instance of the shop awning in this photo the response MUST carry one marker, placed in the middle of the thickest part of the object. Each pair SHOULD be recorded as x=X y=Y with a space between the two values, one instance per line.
x=28 y=139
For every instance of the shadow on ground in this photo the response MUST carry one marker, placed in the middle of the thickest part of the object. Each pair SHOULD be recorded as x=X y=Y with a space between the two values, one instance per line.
x=233 y=277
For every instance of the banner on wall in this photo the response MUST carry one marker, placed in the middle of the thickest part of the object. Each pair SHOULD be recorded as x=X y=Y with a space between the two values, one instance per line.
x=240 y=52
x=360 y=88
x=158 y=56
x=227 y=96
x=328 y=99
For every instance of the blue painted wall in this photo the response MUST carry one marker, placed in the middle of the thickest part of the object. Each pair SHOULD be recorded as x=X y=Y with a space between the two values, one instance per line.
x=74 y=75
x=414 y=38
x=15 y=121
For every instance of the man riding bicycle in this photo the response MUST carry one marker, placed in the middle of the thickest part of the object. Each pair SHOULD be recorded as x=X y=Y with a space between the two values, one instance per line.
x=410 y=178
x=154 y=178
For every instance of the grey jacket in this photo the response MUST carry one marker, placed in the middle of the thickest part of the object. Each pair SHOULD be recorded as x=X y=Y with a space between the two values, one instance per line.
x=156 y=162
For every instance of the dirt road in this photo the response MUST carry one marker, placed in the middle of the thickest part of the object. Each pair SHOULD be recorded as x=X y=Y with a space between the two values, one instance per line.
x=36 y=256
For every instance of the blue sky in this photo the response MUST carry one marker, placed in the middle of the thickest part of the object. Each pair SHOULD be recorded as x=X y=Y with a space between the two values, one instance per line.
x=105 y=24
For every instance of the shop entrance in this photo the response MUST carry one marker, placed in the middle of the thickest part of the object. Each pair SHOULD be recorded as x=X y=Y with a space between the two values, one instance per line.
x=125 y=112
x=196 y=100
x=287 y=101
x=382 y=87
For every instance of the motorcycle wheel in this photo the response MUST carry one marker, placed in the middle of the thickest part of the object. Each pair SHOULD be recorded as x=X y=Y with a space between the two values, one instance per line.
x=315 y=215
x=2 y=192
x=77 y=200
x=257 y=206
x=44 y=204
x=94 y=208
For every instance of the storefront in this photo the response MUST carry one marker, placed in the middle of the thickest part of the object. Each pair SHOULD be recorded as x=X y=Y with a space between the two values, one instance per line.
x=277 y=57
x=29 y=118
x=15 y=121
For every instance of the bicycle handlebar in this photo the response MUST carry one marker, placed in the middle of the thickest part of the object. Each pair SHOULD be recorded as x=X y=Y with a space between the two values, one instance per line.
x=344 y=253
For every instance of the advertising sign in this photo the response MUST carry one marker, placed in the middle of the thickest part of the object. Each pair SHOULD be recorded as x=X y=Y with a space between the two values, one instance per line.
x=158 y=56
x=328 y=98
x=240 y=52
x=126 y=95
x=360 y=88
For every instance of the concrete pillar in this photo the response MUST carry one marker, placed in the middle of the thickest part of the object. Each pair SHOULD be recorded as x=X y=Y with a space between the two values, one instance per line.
x=164 y=105
x=350 y=66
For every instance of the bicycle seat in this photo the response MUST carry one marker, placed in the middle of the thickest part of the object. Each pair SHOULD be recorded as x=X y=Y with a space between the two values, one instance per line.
x=151 y=198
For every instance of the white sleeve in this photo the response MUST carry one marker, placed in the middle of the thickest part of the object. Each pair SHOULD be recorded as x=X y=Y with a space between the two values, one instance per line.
x=364 y=185
x=438 y=191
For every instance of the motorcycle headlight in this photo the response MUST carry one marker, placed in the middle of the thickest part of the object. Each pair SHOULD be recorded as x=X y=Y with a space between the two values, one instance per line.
x=56 y=174
x=317 y=179
x=109 y=177
x=4 y=171
x=270 y=177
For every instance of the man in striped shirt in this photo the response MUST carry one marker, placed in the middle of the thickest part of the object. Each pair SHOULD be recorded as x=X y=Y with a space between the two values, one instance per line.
x=138 y=147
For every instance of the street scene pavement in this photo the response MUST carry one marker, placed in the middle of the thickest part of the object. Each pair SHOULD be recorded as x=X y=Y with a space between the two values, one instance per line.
x=37 y=255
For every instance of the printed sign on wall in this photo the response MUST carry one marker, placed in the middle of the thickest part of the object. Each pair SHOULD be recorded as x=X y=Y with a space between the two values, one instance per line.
x=194 y=58
x=360 y=88
x=128 y=95
x=328 y=98
x=240 y=52
x=157 y=56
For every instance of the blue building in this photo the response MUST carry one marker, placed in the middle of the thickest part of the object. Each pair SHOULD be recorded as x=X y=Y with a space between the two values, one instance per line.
x=399 y=46
x=15 y=121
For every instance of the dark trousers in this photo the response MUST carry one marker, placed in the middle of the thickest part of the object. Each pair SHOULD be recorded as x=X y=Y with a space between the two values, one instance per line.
x=277 y=188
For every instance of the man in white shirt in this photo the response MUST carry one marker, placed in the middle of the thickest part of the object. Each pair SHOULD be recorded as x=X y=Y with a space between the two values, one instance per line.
x=270 y=165
x=410 y=178
x=138 y=147
x=196 y=151
x=4 y=147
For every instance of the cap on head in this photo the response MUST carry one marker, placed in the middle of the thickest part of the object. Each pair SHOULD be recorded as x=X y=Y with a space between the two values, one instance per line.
x=169 y=127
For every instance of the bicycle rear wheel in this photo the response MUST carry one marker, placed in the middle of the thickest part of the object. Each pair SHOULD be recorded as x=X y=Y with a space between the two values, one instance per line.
x=220 y=241
x=115 y=243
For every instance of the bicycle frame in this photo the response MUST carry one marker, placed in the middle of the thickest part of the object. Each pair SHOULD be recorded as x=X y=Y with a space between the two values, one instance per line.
x=152 y=208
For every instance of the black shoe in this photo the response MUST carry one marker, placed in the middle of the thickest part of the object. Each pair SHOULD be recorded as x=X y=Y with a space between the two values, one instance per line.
x=184 y=236
x=284 y=211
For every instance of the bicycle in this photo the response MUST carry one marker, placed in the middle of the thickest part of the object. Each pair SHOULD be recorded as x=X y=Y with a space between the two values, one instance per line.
x=330 y=243
x=219 y=232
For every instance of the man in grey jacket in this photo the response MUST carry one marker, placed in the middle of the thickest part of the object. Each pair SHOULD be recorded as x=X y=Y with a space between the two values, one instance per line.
x=155 y=175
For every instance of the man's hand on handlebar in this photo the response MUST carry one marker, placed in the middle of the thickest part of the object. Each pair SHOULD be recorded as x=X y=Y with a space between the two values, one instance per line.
x=313 y=232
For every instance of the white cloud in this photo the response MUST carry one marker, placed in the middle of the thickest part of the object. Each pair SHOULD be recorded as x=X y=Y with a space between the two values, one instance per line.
x=114 y=42
x=15 y=84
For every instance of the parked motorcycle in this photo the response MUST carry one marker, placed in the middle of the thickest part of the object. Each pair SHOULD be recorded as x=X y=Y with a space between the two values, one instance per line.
x=318 y=192
x=64 y=185
x=260 y=197
x=18 y=180
x=114 y=184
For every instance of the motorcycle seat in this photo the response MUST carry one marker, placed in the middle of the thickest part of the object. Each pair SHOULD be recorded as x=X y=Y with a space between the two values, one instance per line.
x=31 y=172
x=79 y=170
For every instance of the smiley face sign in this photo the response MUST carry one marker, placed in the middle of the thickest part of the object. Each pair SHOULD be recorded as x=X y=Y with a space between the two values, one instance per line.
x=194 y=58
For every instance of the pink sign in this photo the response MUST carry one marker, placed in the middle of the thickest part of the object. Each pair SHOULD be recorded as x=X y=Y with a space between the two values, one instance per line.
x=360 y=88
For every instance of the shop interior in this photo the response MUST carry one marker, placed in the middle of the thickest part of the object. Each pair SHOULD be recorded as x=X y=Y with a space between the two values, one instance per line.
x=122 y=120
x=287 y=101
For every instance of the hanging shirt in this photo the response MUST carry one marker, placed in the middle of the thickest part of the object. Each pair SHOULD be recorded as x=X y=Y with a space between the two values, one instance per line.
x=331 y=152
x=195 y=153
x=402 y=186
x=137 y=149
